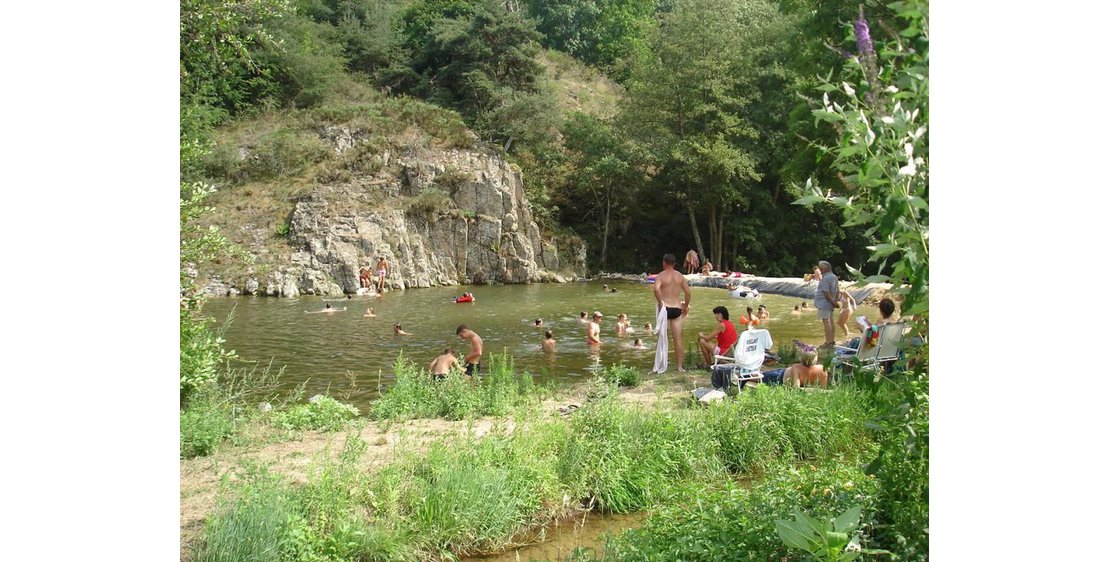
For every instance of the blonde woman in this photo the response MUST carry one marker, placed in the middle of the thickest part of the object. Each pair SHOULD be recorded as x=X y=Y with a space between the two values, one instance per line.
x=847 y=307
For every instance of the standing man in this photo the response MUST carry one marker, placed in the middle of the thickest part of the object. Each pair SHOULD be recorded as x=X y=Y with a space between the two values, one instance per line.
x=474 y=358
x=593 y=331
x=383 y=270
x=825 y=299
x=670 y=312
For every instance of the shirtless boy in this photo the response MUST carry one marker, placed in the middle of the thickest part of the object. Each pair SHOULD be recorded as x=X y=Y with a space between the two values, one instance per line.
x=548 y=342
x=667 y=287
x=593 y=331
x=474 y=358
x=443 y=363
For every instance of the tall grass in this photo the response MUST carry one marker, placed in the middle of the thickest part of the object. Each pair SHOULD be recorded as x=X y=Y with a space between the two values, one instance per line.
x=416 y=395
x=623 y=459
x=729 y=522
x=253 y=526
x=469 y=495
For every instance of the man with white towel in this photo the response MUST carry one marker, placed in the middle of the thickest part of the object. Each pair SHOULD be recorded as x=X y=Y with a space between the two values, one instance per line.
x=670 y=312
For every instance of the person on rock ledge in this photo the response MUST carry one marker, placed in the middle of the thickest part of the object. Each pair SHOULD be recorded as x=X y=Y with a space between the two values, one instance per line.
x=383 y=270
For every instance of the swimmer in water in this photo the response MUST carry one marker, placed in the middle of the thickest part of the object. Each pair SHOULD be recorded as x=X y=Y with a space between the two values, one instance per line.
x=582 y=319
x=622 y=325
x=638 y=344
x=548 y=344
x=369 y=313
x=327 y=310
x=593 y=331
x=763 y=313
x=397 y=331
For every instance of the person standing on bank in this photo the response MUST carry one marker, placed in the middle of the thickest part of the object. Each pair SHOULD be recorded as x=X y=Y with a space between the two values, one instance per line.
x=670 y=312
x=825 y=300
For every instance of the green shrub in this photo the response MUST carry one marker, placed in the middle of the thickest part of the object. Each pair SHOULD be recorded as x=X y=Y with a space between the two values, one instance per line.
x=202 y=354
x=284 y=153
x=321 y=412
x=429 y=203
x=729 y=522
x=622 y=375
x=205 y=422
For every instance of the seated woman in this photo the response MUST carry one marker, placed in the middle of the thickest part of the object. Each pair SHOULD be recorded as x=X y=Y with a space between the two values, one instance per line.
x=725 y=335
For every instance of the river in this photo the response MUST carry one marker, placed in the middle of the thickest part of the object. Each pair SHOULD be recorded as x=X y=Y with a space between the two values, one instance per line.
x=327 y=352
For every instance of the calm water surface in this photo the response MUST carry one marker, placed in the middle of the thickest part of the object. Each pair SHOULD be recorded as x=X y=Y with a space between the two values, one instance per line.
x=327 y=350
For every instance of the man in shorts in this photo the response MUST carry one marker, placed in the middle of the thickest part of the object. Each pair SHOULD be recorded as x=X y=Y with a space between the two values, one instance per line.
x=669 y=284
x=825 y=300
x=474 y=358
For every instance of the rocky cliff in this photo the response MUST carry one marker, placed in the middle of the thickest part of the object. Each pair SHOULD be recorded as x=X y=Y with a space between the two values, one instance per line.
x=439 y=216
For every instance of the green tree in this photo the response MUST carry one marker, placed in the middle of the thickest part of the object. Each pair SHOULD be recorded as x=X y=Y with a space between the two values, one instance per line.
x=600 y=32
x=219 y=68
x=606 y=174
x=691 y=103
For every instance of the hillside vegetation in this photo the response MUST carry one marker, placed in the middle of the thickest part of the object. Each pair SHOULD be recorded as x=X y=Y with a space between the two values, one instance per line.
x=766 y=135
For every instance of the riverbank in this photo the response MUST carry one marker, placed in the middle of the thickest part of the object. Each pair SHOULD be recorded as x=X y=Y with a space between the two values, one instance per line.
x=293 y=454
x=421 y=489
x=864 y=293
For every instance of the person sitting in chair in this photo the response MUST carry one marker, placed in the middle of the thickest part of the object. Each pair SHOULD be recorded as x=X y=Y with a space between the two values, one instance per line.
x=724 y=333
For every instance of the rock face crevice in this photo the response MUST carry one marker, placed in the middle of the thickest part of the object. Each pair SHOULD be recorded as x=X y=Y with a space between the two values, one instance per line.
x=438 y=216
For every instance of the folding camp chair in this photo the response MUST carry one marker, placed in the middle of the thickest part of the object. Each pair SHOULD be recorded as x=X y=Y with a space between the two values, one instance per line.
x=885 y=351
x=744 y=363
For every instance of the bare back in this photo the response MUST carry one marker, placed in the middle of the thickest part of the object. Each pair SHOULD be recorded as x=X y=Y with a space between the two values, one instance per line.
x=669 y=286
x=440 y=365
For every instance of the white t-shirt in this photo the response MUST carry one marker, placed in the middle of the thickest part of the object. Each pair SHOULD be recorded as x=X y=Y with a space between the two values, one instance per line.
x=752 y=345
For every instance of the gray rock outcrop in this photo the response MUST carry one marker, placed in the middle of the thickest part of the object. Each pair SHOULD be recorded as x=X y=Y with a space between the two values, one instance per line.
x=438 y=216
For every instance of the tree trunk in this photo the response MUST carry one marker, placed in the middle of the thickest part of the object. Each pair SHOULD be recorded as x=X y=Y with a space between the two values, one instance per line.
x=697 y=235
x=713 y=237
x=719 y=243
x=605 y=231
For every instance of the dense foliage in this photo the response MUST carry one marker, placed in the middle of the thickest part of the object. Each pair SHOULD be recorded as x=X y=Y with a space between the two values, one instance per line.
x=712 y=130
x=880 y=112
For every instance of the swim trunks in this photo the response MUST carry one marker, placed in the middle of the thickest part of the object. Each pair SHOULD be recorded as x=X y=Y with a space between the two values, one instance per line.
x=473 y=369
x=673 y=313
x=381 y=273
x=439 y=377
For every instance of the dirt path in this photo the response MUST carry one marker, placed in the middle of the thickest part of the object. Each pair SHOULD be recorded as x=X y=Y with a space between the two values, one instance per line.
x=200 y=477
